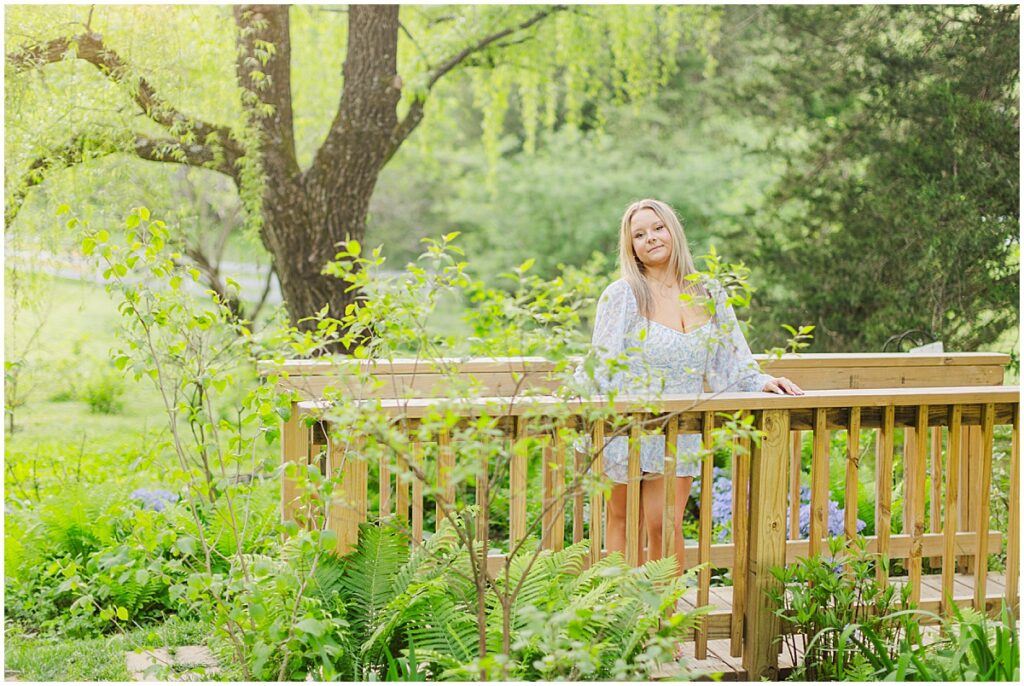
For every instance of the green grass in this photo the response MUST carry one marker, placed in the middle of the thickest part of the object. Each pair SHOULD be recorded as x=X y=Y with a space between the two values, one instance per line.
x=38 y=658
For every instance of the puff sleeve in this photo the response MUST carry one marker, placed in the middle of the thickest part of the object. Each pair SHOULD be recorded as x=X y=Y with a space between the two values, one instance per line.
x=733 y=368
x=614 y=309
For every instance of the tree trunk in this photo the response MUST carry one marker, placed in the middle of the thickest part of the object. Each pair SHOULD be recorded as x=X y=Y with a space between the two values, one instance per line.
x=306 y=215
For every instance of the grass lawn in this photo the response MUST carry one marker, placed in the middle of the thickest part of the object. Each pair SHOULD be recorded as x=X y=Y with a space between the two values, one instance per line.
x=37 y=658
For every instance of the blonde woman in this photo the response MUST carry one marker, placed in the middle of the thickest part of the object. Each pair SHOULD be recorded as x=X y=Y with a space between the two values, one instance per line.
x=671 y=343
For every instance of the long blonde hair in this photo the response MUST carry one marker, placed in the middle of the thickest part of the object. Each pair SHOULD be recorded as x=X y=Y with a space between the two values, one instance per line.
x=634 y=271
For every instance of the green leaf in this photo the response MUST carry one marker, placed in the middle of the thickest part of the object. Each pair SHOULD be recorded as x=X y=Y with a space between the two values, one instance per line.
x=144 y=213
x=63 y=208
x=122 y=613
x=311 y=626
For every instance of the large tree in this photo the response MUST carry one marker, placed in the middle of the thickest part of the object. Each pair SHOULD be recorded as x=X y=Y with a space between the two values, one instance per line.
x=302 y=213
x=898 y=208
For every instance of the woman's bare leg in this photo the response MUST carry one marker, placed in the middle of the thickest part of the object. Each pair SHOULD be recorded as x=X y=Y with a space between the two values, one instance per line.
x=652 y=501
x=615 y=536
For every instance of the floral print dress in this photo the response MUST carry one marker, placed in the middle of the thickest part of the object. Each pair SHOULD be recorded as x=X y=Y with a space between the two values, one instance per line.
x=660 y=360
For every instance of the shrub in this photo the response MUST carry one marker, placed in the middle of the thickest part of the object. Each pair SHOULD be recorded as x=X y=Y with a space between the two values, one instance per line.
x=103 y=394
x=831 y=604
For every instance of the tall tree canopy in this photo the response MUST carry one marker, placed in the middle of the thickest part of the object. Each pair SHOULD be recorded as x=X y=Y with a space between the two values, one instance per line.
x=304 y=202
x=899 y=208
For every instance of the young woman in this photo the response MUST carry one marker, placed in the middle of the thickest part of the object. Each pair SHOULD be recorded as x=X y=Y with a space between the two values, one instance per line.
x=662 y=326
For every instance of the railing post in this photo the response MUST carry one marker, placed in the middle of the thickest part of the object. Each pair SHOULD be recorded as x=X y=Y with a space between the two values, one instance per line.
x=767 y=543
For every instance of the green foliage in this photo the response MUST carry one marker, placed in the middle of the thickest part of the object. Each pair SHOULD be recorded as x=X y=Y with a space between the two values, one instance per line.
x=830 y=602
x=103 y=393
x=971 y=647
x=899 y=206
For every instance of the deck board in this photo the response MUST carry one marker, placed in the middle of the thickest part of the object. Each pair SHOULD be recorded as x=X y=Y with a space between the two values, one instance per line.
x=721 y=664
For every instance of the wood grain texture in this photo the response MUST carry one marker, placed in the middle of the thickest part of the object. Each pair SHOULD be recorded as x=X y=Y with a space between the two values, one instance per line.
x=795 y=470
x=295 y=445
x=402 y=479
x=953 y=492
x=983 y=495
x=417 y=494
x=581 y=465
x=596 y=496
x=819 y=483
x=852 y=476
x=517 y=485
x=935 y=513
x=633 y=476
x=349 y=510
x=909 y=457
x=669 y=495
x=740 y=535
x=445 y=501
x=384 y=483
x=883 y=491
x=558 y=492
x=916 y=503
x=1013 y=525
x=704 y=530
x=767 y=542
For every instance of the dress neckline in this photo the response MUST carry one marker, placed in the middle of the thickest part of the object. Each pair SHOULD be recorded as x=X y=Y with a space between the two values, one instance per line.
x=681 y=333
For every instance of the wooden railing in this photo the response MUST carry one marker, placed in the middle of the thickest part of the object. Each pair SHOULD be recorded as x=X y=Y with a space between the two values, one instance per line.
x=959 y=421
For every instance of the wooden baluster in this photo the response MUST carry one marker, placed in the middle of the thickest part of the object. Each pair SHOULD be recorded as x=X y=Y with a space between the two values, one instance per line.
x=819 y=482
x=740 y=505
x=402 y=489
x=968 y=473
x=909 y=468
x=1013 y=525
x=517 y=485
x=597 y=497
x=669 y=482
x=916 y=504
x=547 y=500
x=417 y=494
x=852 y=477
x=704 y=531
x=445 y=500
x=558 y=492
x=952 y=510
x=350 y=510
x=384 y=484
x=295 y=444
x=581 y=462
x=553 y=509
x=795 y=468
x=767 y=543
x=983 y=497
x=633 y=476
x=935 y=517
x=883 y=492
x=483 y=502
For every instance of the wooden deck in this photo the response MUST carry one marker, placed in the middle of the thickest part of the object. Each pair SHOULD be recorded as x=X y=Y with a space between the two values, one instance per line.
x=721 y=662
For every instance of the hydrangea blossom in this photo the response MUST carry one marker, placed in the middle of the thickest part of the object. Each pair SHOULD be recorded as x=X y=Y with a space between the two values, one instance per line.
x=154 y=499
x=721 y=508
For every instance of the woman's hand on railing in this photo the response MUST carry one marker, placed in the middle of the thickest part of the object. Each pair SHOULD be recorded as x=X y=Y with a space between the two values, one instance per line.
x=781 y=384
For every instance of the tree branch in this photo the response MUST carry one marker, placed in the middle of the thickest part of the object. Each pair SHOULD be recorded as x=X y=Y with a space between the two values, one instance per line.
x=414 y=116
x=88 y=145
x=89 y=47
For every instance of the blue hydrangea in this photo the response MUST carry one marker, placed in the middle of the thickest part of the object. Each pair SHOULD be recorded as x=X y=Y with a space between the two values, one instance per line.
x=154 y=498
x=721 y=508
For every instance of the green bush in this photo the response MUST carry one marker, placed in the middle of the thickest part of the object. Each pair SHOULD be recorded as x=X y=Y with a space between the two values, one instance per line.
x=830 y=603
x=971 y=647
x=102 y=393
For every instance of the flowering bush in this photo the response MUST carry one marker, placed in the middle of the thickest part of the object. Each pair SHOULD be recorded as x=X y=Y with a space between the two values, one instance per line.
x=721 y=508
x=154 y=499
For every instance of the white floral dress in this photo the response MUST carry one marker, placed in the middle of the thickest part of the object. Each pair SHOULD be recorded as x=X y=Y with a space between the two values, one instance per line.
x=659 y=360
